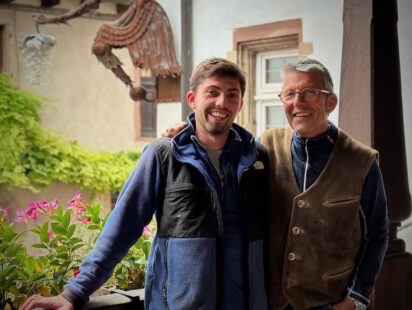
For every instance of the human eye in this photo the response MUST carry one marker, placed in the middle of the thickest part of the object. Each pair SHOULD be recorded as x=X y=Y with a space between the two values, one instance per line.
x=212 y=92
x=309 y=93
x=288 y=94
x=234 y=95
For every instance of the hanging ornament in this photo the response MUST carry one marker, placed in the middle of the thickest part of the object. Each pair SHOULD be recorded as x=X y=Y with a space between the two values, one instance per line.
x=37 y=59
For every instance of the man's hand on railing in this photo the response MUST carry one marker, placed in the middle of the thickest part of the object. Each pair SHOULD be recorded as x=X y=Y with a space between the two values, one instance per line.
x=56 y=302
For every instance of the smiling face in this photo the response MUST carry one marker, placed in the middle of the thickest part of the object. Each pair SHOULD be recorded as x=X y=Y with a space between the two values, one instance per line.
x=309 y=119
x=216 y=102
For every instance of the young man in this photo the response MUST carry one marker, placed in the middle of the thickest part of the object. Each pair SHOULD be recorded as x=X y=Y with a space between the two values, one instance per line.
x=328 y=214
x=207 y=187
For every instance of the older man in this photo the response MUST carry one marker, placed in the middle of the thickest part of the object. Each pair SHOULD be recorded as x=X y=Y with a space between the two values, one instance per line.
x=327 y=226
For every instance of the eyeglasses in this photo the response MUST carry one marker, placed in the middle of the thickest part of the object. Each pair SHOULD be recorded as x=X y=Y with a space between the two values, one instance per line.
x=306 y=94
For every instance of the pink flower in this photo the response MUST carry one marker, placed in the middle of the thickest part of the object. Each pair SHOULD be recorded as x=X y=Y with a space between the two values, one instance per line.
x=75 y=200
x=21 y=217
x=85 y=219
x=146 y=232
x=46 y=207
x=76 y=204
x=32 y=210
x=76 y=272
x=53 y=206
x=51 y=234
x=42 y=204
x=5 y=213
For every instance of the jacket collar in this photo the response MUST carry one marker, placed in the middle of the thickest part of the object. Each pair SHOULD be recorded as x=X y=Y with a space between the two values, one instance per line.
x=240 y=146
x=315 y=146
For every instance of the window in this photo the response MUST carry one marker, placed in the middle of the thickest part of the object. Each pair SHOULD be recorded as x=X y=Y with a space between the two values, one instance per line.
x=261 y=50
x=162 y=90
x=269 y=108
x=148 y=111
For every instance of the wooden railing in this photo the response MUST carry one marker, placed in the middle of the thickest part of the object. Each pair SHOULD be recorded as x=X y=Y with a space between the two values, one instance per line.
x=118 y=300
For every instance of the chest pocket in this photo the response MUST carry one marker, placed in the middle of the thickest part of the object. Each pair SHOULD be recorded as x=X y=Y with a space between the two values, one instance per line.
x=187 y=212
x=340 y=218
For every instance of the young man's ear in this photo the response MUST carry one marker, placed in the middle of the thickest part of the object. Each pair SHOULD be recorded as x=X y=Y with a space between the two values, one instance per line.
x=190 y=98
x=331 y=103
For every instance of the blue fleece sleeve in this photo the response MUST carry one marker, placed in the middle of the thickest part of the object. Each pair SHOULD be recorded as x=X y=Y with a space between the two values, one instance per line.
x=375 y=235
x=134 y=209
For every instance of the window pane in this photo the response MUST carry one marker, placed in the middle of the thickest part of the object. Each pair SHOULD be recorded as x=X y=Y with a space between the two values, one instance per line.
x=273 y=67
x=275 y=116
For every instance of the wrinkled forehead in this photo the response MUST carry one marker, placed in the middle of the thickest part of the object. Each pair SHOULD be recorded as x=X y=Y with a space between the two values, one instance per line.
x=294 y=79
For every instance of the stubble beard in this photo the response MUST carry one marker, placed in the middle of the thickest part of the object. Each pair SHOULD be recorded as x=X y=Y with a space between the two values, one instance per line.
x=215 y=130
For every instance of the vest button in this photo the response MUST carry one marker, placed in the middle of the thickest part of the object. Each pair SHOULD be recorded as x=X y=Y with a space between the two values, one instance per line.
x=296 y=230
x=301 y=203
x=291 y=256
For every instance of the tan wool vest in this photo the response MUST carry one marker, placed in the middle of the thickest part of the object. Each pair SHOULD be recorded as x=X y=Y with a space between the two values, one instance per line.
x=312 y=238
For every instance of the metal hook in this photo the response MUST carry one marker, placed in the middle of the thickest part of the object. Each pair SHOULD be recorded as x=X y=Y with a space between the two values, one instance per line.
x=35 y=18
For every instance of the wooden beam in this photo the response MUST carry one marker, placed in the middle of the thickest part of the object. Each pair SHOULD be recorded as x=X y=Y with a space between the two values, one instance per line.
x=371 y=111
x=355 y=106
x=49 y=3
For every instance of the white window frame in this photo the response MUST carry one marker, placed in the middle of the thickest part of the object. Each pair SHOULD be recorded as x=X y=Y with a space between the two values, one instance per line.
x=267 y=93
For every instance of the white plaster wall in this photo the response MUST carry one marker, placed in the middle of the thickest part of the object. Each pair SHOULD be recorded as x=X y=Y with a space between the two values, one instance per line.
x=405 y=48
x=90 y=104
x=167 y=114
x=173 y=11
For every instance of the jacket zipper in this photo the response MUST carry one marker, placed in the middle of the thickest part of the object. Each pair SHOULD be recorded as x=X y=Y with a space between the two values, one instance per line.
x=306 y=165
x=164 y=289
x=225 y=173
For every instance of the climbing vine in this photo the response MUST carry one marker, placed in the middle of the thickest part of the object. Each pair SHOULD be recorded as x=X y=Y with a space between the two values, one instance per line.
x=32 y=157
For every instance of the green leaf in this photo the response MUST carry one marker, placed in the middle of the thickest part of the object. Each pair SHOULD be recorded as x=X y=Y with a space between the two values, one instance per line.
x=93 y=227
x=76 y=240
x=44 y=233
x=70 y=230
x=39 y=246
x=127 y=263
x=59 y=213
x=5 y=272
x=64 y=256
x=77 y=246
x=58 y=228
x=61 y=249
x=66 y=219
x=30 y=264
x=38 y=276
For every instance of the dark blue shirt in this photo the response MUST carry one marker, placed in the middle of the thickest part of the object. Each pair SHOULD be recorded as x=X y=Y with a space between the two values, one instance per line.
x=235 y=270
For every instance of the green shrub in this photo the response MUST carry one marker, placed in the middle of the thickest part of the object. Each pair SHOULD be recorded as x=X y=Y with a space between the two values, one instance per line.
x=32 y=157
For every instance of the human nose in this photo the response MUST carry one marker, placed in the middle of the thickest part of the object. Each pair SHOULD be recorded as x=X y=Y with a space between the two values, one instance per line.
x=220 y=100
x=299 y=96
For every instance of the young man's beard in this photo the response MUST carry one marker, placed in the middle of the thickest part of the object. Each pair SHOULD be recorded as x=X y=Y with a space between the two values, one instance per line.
x=215 y=130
